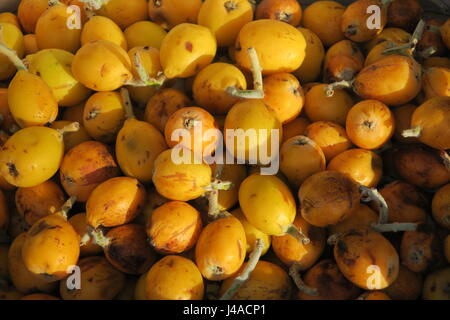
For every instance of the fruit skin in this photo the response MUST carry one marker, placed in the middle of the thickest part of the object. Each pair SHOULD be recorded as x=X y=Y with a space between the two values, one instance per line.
x=235 y=173
x=436 y=284
x=51 y=246
x=374 y=295
x=327 y=198
x=39 y=201
x=393 y=80
x=31 y=100
x=436 y=82
x=124 y=12
x=102 y=66
x=114 y=202
x=259 y=192
x=99 y=281
x=440 y=206
x=103 y=28
x=329 y=281
x=395 y=35
x=71 y=139
x=174 y=278
x=288 y=11
x=184 y=181
x=143 y=34
x=220 y=249
x=174 y=227
x=402 y=116
x=210 y=84
x=54 y=67
x=370 y=124
x=367 y=259
x=296 y=127
x=266 y=36
x=186 y=50
x=8 y=124
x=23 y=280
x=363 y=166
x=86 y=166
x=52 y=31
x=433 y=117
x=78 y=222
x=225 y=18
x=128 y=250
x=404 y=14
x=170 y=13
x=13 y=38
x=324 y=19
x=266 y=282
x=44 y=149
x=311 y=66
x=360 y=218
x=407 y=286
x=29 y=12
x=445 y=33
x=343 y=61
x=301 y=157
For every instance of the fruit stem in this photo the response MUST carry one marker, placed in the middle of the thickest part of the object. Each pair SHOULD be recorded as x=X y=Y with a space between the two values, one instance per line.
x=258 y=90
x=214 y=211
x=371 y=194
x=85 y=239
x=292 y=230
x=99 y=238
x=294 y=272
x=427 y=52
x=128 y=106
x=243 y=277
x=446 y=158
x=94 y=4
x=67 y=206
x=329 y=89
x=394 y=227
x=144 y=79
x=414 y=132
x=332 y=240
x=10 y=53
x=412 y=43
x=71 y=127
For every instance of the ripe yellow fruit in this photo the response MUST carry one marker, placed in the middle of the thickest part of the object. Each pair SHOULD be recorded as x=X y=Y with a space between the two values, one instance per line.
x=124 y=12
x=13 y=39
x=103 y=28
x=311 y=66
x=144 y=34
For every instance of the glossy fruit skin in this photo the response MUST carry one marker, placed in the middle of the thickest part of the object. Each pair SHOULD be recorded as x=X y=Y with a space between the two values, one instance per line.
x=284 y=95
x=396 y=35
x=436 y=82
x=102 y=66
x=186 y=50
x=174 y=278
x=402 y=116
x=266 y=282
x=319 y=107
x=153 y=201
x=174 y=227
x=51 y=246
x=13 y=38
x=71 y=139
x=440 y=206
x=318 y=207
x=255 y=115
x=39 y=201
x=393 y=80
x=324 y=19
x=288 y=11
x=370 y=124
x=259 y=192
x=433 y=116
x=9 y=18
x=211 y=83
x=355 y=19
x=103 y=28
x=405 y=202
x=407 y=286
x=435 y=285
x=52 y=31
x=99 y=281
x=29 y=12
x=330 y=283
x=124 y=12
x=296 y=127
x=225 y=18
x=86 y=166
x=357 y=252
x=311 y=66
x=343 y=61
x=197 y=123
x=330 y=137
x=184 y=181
x=170 y=13
x=363 y=166
x=163 y=104
x=23 y=280
x=265 y=36
x=38 y=108
x=128 y=249
x=143 y=34
x=220 y=249
x=404 y=14
x=114 y=202
x=44 y=148
x=252 y=234
x=360 y=218
x=78 y=222
x=301 y=157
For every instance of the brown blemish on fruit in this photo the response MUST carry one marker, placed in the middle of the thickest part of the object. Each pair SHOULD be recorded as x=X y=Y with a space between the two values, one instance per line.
x=12 y=170
x=41 y=226
x=188 y=46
